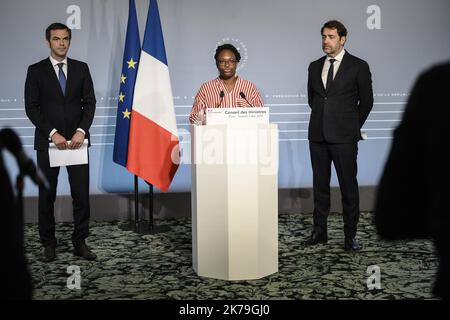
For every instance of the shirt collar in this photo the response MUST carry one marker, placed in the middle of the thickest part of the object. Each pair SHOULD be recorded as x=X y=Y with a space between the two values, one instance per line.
x=221 y=81
x=339 y=57
x=55 y=62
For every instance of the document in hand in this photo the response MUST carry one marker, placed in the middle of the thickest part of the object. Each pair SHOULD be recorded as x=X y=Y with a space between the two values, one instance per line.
x=68 y=157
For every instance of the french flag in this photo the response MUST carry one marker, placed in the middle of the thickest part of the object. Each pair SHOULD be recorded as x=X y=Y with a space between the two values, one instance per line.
x=153 y=149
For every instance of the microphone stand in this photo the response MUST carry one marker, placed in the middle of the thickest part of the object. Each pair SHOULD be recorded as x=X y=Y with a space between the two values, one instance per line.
x=221 y=95
x=245 y=98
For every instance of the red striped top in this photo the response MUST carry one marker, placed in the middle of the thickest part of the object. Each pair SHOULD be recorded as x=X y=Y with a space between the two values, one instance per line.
x=209 y=97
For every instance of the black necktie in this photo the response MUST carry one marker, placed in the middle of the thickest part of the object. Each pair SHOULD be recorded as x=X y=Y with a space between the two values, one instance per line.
x=330 y=74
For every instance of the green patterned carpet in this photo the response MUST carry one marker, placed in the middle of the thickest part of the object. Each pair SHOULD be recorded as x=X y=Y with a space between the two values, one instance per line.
x=132 y=266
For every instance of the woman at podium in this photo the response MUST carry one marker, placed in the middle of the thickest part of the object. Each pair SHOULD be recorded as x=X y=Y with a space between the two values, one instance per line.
x=228 y=90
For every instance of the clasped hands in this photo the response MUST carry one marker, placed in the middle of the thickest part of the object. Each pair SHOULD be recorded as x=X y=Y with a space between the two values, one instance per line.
x=62 y=144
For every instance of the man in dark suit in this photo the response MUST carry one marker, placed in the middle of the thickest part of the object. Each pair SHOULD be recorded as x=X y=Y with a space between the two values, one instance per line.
x=60 y=102
x=412 y=198
x=340 y=96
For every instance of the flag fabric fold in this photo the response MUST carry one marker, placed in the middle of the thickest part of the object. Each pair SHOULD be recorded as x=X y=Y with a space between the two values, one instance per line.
x=130 y=62
x=153 y=147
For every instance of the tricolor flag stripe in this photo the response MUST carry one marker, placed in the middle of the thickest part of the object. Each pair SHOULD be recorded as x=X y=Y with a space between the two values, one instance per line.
x=154 y=99
x=153 y=37
x=153 y=152
x=153 y=149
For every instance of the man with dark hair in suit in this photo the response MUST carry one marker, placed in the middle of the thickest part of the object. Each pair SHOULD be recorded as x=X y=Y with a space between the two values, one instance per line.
x=340 y=96
x=60 y=102
x=412 y=197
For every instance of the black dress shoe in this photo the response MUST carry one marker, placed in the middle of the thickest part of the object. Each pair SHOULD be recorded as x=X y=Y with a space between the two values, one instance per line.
x=352 y=245
x=316 y=238
x=49 y=253
x=82 y=250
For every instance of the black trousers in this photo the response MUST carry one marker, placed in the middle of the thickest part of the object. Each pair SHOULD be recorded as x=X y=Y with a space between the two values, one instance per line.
x=343 y=156
x=79 y=190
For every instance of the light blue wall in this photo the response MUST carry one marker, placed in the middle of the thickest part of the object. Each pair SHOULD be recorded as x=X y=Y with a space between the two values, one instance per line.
x=277 y=39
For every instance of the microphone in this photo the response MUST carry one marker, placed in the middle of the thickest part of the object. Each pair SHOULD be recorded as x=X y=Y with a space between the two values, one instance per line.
x=222 y=94
x=11 y=141
x=244 y=97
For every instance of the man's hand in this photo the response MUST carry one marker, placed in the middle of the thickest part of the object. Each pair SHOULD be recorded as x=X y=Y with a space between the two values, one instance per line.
x=77 y=140
x=60 y=141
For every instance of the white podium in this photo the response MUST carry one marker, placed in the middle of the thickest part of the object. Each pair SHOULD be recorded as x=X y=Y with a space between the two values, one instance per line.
x=235 y=200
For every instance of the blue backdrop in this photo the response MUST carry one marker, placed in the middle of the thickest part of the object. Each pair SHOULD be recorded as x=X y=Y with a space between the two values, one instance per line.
x=277 y=40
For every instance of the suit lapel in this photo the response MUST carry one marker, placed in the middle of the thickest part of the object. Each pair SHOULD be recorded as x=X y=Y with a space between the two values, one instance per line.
x=70 y=74
x=52 y=74
x=342 y=68
x=319 y=74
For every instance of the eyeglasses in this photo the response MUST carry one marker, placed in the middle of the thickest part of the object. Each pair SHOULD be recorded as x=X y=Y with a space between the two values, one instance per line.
x=224 y=62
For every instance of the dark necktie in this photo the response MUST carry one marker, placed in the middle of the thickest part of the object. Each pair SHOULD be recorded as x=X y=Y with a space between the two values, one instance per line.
x=330 y=74
x=62 y=78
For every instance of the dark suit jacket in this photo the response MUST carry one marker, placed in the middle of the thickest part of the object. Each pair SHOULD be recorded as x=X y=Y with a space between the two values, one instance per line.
x=338 y=115
x=48 y=108
x=413 y=193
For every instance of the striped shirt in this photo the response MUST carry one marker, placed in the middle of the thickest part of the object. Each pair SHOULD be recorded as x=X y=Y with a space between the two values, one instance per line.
x=209 y=97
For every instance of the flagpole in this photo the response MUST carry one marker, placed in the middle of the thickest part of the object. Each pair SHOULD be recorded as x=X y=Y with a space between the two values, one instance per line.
x=136 y=202
x=150 y=227
x=152 y=135
x=155 y=229
x=141 y=226
x=133 y=225
x=150 y=207
x=131 y=59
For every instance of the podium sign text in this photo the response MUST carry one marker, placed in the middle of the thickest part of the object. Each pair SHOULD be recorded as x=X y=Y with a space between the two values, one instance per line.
x=237 y=115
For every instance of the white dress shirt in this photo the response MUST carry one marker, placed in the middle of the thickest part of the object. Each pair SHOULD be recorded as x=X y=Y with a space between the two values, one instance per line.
x=56 y=68
x=336 y=64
